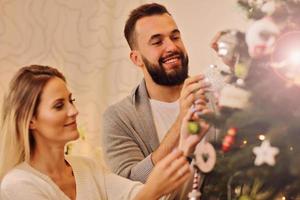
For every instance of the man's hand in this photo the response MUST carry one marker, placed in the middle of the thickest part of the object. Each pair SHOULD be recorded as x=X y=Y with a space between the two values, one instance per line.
x=193 y=94
x=188 y=141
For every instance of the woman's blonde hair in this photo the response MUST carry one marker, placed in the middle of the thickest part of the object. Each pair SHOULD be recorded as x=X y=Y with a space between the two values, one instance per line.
x=19 y=106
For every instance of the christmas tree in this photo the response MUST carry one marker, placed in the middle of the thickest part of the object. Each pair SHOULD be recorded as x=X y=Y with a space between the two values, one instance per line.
x=258 y=116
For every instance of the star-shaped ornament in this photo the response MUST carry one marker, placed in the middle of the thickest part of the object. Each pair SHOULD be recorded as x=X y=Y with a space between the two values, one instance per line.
x=265 y=154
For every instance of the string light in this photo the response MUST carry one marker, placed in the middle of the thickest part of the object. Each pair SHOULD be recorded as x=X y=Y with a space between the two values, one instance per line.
x=285 y=58
x=240 y=82
x=261 y=137
x=294 y=58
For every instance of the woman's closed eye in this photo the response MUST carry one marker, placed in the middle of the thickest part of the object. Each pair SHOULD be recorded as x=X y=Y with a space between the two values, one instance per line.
x=59 y=105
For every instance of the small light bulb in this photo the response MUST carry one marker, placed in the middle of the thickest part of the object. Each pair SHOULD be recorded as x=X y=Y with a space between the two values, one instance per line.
x=261 y=137
x=223 y=52
x=240 y=82
x=213 y=66
x=295 y=58
x=222 y=49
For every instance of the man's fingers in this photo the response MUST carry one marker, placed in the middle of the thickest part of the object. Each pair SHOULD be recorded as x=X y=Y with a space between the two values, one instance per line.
x=201 y=86
x=188 y=116
x=193 y=79
x=200 y=94
x=200 y=101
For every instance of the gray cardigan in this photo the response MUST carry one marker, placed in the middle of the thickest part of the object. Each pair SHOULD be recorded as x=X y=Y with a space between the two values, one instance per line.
x=129 y=135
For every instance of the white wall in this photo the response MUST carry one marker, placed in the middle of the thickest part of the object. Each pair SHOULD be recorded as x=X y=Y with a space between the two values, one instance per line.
x=84 y=39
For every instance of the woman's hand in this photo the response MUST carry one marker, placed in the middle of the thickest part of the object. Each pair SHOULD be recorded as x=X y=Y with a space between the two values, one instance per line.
x=167 y=175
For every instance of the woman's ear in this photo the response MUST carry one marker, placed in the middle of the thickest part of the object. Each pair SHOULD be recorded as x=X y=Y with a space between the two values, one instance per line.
x=32 y=124
x=136 y=58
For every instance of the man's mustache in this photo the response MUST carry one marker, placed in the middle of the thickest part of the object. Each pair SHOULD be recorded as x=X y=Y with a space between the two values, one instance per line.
x=171 y=54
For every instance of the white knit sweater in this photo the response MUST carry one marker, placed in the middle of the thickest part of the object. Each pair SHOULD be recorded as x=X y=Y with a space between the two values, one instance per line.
x=92 y=183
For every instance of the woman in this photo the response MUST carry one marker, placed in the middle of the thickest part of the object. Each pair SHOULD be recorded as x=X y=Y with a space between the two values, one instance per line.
x=38 y=119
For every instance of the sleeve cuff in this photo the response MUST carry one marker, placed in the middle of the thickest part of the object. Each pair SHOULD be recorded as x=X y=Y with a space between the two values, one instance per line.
x=141 y=171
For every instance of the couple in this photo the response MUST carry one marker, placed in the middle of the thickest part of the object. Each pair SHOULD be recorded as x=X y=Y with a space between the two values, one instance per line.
x=39 y=118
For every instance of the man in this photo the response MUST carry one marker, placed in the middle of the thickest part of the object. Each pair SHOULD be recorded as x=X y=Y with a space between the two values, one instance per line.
x=145 y=126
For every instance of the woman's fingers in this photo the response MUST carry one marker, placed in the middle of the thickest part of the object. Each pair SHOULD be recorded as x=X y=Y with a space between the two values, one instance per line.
x=170 y=158
x=177 y=165
x=178 y=171
x=182 y=170
x=181 y=179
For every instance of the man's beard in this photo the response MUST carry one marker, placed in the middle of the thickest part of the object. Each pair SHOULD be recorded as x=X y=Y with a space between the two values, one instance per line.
x=161 y=77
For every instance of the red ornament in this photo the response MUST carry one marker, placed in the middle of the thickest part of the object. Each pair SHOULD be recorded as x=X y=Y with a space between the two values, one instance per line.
x=229 y=139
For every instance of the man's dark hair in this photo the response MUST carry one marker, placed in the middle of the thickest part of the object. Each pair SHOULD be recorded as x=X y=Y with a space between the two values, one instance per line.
x=138 y=13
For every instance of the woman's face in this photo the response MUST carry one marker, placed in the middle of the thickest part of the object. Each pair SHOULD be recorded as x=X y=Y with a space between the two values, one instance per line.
x=55 y=121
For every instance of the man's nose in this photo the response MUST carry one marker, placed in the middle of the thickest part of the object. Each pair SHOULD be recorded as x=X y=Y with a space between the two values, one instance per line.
x=170 y=45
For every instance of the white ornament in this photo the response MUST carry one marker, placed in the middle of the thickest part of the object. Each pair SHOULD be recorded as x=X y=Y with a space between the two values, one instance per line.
x=214 y=76
x=261 y=37
x=257 y=3
x=205 y=157
x=265 y=154
x=234 y=97
x=269 y=7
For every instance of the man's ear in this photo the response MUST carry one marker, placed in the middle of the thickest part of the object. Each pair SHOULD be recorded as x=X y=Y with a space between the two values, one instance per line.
x=136 y=58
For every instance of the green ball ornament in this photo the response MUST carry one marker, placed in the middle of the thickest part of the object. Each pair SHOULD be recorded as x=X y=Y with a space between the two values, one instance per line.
x=241 y=70
x=193 y=127
x=245 y=197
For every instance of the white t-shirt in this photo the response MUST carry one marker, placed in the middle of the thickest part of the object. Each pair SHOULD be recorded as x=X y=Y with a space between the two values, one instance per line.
x=92 y=183
x=164 y=115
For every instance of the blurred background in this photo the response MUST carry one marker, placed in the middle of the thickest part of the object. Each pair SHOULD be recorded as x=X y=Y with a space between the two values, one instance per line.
x=84 y=39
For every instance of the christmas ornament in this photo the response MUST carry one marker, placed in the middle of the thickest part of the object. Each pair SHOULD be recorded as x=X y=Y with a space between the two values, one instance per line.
x=217 y=77
x=205 y=155
x=229 y=139
x=269 y=7
x=266 y=6
x=194 y=127
x=229 y=45
x=234 y=97
x=245 y=197
x=265 y=154
x=258 y=9
x=195 y=193
x=241 y=70
x=226 y=46
x=257 y=3
x=261 y=37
